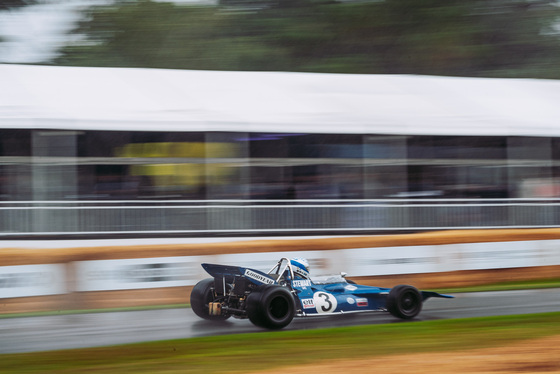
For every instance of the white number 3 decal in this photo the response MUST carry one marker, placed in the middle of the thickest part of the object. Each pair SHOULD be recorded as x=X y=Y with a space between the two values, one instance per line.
x=324 y=302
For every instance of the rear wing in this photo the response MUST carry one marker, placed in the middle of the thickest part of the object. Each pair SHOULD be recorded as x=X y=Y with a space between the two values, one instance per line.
x=228 y=273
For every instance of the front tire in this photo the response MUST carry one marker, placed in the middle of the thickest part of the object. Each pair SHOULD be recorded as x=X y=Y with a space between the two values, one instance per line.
x=271 y=307
x=201 y=295
x=404 y=302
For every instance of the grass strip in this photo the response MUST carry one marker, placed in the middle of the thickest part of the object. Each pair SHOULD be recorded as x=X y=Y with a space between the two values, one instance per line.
x=260 y=351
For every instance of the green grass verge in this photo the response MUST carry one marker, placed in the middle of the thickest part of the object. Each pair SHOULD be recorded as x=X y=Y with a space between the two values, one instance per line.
x=260 y=351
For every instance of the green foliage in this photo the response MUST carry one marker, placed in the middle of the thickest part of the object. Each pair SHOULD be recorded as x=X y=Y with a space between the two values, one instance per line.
x=443 y=37
x=10 y=4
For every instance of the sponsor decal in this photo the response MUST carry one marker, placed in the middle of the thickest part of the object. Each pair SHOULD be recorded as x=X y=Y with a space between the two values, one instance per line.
x=351 y=287
x=301 y=283
x=350 y=301
x=307 y=303
x=258 y=277
x=362 y=302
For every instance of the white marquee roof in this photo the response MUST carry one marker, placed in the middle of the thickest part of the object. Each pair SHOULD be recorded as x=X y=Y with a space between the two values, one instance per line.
x=46 y=97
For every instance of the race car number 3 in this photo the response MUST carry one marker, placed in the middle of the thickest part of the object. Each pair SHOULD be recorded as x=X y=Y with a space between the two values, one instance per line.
x=324 y=302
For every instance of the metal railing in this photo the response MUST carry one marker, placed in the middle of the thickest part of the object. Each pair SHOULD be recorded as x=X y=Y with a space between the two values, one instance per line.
x=200 y=217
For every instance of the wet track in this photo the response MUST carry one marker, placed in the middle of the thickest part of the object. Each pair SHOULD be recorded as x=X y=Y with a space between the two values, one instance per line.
x=101 y=329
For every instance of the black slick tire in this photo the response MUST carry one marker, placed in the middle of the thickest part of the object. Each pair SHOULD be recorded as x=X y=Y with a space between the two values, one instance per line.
x=404 y=302
x=271 y=307
x=201 y=295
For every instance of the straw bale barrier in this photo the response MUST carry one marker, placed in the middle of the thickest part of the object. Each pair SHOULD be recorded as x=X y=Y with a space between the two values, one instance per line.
x=180 y=295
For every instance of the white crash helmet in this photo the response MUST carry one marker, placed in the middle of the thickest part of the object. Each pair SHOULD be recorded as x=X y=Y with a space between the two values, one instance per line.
x=300 y=267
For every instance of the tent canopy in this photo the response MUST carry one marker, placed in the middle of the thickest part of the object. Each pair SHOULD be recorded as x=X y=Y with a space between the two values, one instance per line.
x=77 y=98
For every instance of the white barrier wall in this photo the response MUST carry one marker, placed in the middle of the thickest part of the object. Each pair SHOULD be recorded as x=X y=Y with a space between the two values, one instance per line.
x=130 y=274
x=141 y=273
x=32 y=280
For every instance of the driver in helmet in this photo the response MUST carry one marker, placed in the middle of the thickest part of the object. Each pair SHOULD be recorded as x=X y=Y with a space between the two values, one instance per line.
x=300 y=267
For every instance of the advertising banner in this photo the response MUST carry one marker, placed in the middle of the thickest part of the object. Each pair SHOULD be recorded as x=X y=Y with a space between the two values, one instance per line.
x=127 y=274
x=32 y=280
x=391 y=260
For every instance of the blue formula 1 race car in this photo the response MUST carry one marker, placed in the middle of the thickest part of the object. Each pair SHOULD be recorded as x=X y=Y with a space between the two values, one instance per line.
x=271 y=300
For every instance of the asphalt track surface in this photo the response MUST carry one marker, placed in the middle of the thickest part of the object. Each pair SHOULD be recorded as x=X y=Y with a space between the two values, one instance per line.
x=29 y=334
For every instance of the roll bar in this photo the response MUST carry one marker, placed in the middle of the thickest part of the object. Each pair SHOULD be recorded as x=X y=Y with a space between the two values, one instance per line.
x=281 y=266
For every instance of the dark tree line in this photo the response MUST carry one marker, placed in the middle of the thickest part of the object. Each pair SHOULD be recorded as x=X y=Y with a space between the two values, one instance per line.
x=503 y=38
x=9 y=4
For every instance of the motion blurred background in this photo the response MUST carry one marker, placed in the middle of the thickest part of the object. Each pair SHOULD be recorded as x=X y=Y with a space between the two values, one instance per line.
x=468 y=91
x=491 y=39
x=497 y=38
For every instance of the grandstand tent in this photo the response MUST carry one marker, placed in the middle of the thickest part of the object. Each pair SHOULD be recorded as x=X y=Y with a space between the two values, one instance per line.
x=76 y=142
x=78 y=98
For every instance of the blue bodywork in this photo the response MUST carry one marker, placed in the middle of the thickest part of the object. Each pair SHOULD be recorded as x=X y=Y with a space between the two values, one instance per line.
x=314 y=297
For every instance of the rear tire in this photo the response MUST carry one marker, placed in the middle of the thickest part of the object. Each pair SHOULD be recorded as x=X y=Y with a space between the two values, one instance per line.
x=404 y=302
x=201 y=295
x=271 y=307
